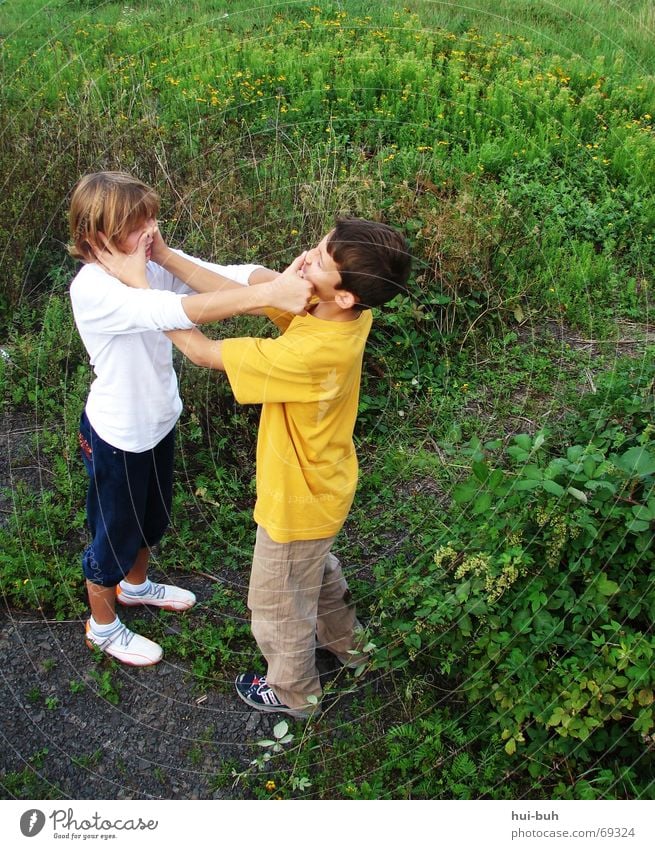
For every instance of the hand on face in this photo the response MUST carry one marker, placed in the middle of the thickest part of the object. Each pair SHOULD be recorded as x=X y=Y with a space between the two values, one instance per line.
x=128 y=262
x=291 y=292
x=158 y=247
x=321 y=270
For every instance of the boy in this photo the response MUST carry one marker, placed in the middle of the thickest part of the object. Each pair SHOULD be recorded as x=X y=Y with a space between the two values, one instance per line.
x=127 y=429
x=308 y=382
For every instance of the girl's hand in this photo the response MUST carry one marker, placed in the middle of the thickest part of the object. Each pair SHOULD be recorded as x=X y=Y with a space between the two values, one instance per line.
x=290 y=292
x=128 y=268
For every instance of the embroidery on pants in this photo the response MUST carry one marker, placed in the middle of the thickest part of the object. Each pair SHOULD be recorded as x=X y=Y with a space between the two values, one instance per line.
x=84 y=445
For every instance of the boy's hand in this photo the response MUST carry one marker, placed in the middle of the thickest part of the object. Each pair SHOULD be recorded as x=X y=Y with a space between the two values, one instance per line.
x=159 y=248
x=128 y=268
x=289 y=292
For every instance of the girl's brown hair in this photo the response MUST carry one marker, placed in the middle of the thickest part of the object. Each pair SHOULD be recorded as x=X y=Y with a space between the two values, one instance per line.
x=109 y=202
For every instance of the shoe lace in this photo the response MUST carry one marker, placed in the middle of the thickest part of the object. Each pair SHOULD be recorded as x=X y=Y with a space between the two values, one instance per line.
x=125 y=636
x=152 y=591
x=264 y=689
x=121 y=635
x=259 y=685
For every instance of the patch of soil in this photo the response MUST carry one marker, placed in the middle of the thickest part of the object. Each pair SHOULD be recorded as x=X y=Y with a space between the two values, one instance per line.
x=90 y=728
x=157 y=741
x=19 y=461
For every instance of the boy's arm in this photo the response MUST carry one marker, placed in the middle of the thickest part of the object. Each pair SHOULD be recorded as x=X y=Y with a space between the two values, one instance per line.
x=198 y=348
x=197 y=277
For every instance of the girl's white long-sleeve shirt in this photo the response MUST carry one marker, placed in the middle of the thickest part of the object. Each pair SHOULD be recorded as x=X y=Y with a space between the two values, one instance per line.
x=134 y=400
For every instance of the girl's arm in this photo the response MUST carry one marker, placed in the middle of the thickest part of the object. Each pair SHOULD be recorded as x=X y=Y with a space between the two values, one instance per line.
x=286 y=292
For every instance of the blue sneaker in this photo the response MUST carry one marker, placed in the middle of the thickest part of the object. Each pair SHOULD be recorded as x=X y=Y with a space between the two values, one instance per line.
x=254 y=691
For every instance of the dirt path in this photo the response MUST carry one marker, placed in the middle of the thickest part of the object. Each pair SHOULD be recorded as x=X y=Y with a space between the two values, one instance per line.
x=92 y=729
x=81 y=727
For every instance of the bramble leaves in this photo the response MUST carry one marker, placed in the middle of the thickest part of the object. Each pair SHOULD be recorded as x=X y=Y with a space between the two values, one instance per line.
x=539 y=596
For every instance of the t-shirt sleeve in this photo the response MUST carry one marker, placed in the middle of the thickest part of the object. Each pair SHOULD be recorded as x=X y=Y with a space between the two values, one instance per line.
x=104 y=305
x=266 y=371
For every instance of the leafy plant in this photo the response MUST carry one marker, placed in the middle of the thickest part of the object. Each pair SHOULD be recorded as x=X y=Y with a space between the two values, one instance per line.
x=538 y=599
x=108 y=688
x=31 y=781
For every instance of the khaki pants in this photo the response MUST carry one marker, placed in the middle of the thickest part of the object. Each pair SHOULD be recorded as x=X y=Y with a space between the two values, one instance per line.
x=298 y=594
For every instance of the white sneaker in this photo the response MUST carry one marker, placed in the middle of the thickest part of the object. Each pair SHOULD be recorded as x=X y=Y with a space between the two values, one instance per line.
x=126 y=646
x=157 y=595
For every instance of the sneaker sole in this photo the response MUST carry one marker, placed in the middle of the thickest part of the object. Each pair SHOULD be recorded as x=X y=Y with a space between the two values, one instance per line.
x=126 y=662
x=177 y=607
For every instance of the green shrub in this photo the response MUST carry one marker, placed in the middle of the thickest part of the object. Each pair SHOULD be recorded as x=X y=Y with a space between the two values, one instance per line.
x=539 y=599
x=322 y=110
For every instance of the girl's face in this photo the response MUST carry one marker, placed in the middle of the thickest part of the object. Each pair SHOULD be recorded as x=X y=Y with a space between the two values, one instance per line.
x=130 y=243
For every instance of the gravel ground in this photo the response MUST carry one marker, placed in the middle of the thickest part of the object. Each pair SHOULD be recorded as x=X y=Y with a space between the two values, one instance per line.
x=162 y=739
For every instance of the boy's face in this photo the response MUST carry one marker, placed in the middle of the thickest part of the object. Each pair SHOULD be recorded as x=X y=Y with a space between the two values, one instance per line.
x=129 y=244
x=321 y=270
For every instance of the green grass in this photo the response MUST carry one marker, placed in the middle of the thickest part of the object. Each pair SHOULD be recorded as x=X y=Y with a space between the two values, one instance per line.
x=528 y=173
x=568 y=28
x=29 y=782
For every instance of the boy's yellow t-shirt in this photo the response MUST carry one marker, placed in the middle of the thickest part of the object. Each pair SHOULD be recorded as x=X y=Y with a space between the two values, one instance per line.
x=308 y=382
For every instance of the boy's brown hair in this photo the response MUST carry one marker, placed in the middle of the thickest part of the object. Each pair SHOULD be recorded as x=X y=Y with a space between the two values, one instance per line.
x=108 y=202
x=373 y=260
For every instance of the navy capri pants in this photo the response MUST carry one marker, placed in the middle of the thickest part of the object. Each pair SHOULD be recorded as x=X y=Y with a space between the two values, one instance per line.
x=128 y=502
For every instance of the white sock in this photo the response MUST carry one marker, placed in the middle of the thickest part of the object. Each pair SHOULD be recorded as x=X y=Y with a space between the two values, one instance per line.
x=103 y=630
x=136 y=589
